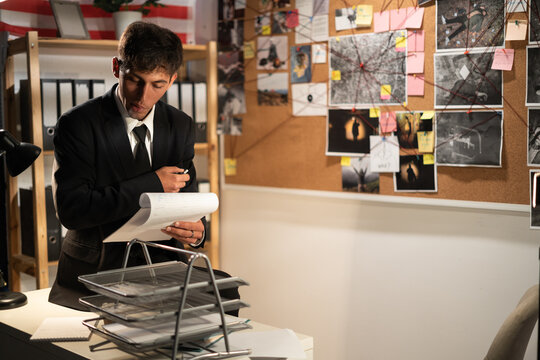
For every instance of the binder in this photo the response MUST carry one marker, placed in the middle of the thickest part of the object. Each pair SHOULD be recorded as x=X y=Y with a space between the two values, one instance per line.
x=54 y=232
x=186 y=98
x=200 y=115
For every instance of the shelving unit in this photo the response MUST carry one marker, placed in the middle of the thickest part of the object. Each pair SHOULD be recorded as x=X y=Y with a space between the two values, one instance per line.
x=30 y=45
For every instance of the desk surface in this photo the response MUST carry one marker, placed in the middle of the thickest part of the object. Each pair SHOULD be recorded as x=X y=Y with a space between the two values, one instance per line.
x=26 y=319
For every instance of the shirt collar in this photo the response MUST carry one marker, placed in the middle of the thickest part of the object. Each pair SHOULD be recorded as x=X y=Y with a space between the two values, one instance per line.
x=130 y=122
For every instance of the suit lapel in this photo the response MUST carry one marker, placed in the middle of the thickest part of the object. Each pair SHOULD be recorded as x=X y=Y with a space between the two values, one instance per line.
x=115 y=132
x=160 y=145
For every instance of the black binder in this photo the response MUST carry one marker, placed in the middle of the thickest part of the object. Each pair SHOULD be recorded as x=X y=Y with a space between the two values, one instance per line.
x=54 y=230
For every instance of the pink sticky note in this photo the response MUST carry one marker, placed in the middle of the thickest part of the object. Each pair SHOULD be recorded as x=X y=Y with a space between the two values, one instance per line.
x=415 y=62
x=415 y=40
x=503 y=59
x=415 y=16
x=415 y=85
x=398 y=17
x=292 y=18
x=381 y=21
x=387 y=122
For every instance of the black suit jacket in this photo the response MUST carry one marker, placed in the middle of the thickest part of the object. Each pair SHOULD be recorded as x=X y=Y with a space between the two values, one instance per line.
x=98 y=191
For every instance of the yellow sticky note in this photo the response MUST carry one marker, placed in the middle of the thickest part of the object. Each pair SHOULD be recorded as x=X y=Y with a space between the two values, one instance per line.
x=266 y=30
x=249 y=49
x=364 y=14
x=336 y=75
x=401 y=42
x=427 y=115
x=386 y=91
x=374 y=112
x=345 y=161
x=429 y=159
x=230 y=167
x=425 y=141
x=337 y=39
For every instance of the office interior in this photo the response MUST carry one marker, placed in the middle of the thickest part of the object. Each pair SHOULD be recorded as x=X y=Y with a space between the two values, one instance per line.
x=367 y=277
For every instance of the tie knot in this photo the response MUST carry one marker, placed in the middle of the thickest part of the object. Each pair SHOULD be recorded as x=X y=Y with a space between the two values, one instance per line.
x=140 y=133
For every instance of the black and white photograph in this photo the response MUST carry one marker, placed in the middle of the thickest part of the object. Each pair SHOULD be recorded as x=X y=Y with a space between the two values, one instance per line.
x=231 y=67
x=361 y=65
x=300 y=64
x=279 y=23
x=230 y=35
x=534 y=21
x=348 y=132
x=467 y=81
x=534 y=191
x=408 y=125
x=470 y=24
x=272 y=52
x=273 y=89
x=229 y=9
x=533 y=76
x=414 y=175
x=357 y=176
x=469 y=138
x=533 y=137
x=231 y=99
x=345 y=19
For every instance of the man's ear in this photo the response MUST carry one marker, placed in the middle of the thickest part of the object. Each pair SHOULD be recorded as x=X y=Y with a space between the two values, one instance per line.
x=115 y=67
x=173 y=77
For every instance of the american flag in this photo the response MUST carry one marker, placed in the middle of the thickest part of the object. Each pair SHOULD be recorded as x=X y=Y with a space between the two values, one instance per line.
x=20 y=16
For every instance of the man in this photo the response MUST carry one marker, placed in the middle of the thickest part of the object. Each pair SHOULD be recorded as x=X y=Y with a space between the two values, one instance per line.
x=99 y=148
x=473 y=20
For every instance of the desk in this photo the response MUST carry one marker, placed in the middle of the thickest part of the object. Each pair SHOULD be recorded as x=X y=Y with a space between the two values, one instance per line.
x=17 y=325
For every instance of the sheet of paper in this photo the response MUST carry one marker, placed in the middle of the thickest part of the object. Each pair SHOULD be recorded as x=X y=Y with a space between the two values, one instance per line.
x=364 y=15
x=381 y=21
x=318 y=53
x=415 y=16
x=427 y=115
x=230 y=167
x=415 y=63
x=62 y=329
x=303 y=30
x=398 y=18
x=503 y=59
x=384 y=152
x=387 y=122
x=344 y=19
x=249 y=49
x=425 y=141
x=516 y=30
x=309 y=99
x=159 y=210
x=319 y=28
x=320 y=7
x=429 y=159
x=415 y=40
x=415 y=85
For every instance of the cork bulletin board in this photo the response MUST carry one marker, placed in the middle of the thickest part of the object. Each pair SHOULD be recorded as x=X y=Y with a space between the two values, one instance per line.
x=277 y=149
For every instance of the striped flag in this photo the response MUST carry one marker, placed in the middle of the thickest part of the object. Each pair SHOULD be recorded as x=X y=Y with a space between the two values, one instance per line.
x=20 y=16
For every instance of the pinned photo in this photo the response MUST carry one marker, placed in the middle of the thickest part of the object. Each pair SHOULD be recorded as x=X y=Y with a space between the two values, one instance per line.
x=357 y=177
x=348 y=132
x=414 y=175
x=300 y=64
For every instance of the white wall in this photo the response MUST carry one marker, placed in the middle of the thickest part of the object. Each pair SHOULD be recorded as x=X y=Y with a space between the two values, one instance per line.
x=374 y=280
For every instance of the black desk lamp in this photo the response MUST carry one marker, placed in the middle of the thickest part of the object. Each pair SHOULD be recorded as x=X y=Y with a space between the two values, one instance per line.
x=19 y=156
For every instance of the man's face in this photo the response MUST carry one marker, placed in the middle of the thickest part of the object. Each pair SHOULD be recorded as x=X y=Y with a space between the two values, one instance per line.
x=140 y=91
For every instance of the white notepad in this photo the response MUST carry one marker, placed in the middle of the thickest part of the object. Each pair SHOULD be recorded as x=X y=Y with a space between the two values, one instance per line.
x=62 y=329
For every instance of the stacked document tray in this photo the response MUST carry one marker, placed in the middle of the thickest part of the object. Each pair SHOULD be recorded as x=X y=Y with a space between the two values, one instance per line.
x=164 y=305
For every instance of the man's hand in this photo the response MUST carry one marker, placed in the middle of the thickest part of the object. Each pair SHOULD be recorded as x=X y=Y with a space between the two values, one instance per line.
x=185 y=232
x=172 y=178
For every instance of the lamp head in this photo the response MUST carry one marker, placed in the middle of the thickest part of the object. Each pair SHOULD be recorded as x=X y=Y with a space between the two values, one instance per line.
x=19 y=155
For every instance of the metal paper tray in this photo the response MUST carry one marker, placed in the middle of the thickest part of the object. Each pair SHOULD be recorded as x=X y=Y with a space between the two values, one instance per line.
x=153 y=282
x=198 y=304
x=161 y=340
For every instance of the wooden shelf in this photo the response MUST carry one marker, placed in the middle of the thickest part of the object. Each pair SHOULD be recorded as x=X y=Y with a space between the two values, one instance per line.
x=31 y=45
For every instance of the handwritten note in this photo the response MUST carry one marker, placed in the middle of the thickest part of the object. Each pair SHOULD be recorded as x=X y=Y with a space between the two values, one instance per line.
x=415 y=16
x=249 y=49
x=384 y=153
x=230 y=167
x=364 y=14
x=415 y=85
x=386 y=92
x=516 y=30
x=345 y=161
x=415 y=63
x=425 y=141
x=415 y=40
x=401 y=43
x=336 y=75
x=398 y=17
x=427 y=115
x=374 y=112
x=381 y=21
x=387 y=122
x=429 y=159
x=503 y=59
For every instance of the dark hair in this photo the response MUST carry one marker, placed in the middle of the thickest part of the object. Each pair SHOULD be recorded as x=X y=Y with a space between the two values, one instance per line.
x=147 y=47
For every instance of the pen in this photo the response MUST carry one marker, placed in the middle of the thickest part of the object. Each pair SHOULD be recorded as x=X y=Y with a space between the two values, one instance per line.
x=185 y=171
